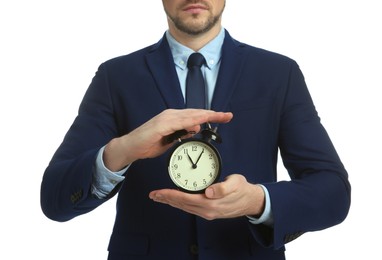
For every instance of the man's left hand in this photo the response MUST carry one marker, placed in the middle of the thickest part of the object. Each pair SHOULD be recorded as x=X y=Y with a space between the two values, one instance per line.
x=231 y=198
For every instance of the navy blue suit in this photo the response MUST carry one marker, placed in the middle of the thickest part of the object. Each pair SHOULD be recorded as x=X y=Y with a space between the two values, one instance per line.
x=272 y=110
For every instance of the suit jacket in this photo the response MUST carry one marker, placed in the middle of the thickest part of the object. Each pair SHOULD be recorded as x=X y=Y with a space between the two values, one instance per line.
x=273 y=112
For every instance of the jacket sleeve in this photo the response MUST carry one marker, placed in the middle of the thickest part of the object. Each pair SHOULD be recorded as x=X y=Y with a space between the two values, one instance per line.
x=66 y=183
x=318 y=194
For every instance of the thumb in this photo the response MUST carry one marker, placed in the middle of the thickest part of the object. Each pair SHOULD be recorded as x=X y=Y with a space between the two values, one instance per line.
x=210 y=192
x=216 y=191
x=222 y=189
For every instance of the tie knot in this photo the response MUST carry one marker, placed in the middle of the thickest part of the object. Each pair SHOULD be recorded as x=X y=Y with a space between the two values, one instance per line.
x=195 y=59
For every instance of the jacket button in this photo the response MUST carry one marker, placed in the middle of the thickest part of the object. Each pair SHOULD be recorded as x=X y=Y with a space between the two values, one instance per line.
x=194 y=249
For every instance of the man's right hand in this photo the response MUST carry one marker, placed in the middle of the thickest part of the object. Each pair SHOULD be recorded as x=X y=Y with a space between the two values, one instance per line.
x=151 y=139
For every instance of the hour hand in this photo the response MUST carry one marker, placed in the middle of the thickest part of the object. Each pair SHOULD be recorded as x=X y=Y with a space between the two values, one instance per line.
x=193 y=164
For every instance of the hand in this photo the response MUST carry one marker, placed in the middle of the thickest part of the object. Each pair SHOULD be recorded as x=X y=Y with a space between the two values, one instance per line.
x=231 y=198
x=148 y=140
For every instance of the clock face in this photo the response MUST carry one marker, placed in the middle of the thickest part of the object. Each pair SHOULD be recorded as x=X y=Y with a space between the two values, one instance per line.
x=194 y=165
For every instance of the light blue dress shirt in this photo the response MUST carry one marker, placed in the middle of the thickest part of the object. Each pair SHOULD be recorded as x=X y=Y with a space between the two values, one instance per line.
x=212 y=54
x=105 y=180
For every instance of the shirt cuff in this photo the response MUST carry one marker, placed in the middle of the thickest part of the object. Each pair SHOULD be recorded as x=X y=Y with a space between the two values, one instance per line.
x=104 y=180
x=267 y=217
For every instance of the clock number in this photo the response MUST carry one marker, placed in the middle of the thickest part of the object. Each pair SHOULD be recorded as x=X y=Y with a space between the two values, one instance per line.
x=194 y=148
x=175 y=166
x=186 y=182
x=178 y=175
x=210 y=156
x=180 y=157
x=213 y=166
x=204 y=181
x=195 y=184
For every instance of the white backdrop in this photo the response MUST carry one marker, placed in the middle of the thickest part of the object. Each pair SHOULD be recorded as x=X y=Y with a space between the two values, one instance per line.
x=50 y=50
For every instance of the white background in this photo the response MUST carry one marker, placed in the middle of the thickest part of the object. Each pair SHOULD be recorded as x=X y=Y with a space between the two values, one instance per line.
x=50 y=50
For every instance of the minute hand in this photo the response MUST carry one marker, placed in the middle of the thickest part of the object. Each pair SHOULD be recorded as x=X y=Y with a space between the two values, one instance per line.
x=200 y=155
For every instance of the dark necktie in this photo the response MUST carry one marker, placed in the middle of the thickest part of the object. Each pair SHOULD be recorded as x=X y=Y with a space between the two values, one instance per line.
x=195 y=89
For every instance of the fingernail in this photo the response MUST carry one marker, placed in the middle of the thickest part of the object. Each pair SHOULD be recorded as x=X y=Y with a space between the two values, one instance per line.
x=157 y=197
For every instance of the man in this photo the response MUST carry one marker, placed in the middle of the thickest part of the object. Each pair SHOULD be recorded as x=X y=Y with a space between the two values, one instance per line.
x=135 y=102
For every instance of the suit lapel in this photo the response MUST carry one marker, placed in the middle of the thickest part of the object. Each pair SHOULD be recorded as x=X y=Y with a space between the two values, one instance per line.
x=161 y=65
x=229 y=73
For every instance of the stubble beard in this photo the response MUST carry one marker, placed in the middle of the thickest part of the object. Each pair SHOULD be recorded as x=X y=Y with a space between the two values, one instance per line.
x=195 y=28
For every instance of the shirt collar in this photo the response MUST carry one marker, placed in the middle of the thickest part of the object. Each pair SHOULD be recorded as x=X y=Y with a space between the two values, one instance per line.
x=211 y=51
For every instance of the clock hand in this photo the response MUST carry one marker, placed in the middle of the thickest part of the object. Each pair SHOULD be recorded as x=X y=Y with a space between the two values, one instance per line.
x=200 y=155
x=193 y=164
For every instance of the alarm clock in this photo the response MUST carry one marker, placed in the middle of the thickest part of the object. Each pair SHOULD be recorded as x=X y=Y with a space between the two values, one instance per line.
x=195 y=163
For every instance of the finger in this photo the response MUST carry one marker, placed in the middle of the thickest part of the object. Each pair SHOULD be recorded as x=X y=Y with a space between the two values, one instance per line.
x=204 y=116
x=167 y=195
x=190 y=119
x=185 y=123
x=175 y=196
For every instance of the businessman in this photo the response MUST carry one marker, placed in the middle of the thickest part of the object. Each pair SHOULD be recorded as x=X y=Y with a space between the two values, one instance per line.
x=119 y=145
